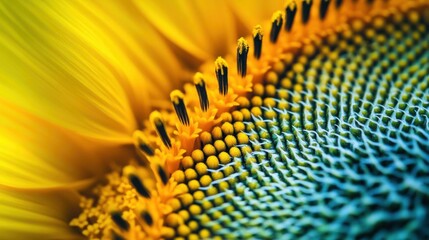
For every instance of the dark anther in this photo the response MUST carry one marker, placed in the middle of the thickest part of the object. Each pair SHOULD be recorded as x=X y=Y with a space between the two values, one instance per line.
x=147 y=217
x=155 y=118
x=306 y=6
x=257 y=41
x=144 y=146
x=146 y=149
x=200 y=85
x=338 y=3
x=221 y=70
x=242 y=50
x=162 y=175
x=116 y=236
x=290 y=15
x=276 y=25
x=119 y=221
x=370 y=1
x=324 y=8
x=179 y=106
x=138 y=185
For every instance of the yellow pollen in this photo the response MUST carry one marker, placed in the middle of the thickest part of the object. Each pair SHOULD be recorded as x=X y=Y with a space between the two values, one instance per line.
x=175 y=204
x=187 y=162
x=239 y=126
x=209 y=150
x=193 y=185
x=190 y=174
x=182 y=188
x=227 y=128
x=224 y=158
x=230 y=141
x=206 y=138
x=205 y=180
x=277 y=17
x=217 y=175
x=201 y=168
x=198 y=155
x=228 y=170
x=257 y=32
x=195 y=210
x=186 y=200
x=242 y=138
x=220 y=64
x=291 y=4
x=219 y=145
x=212 y=162
x=198 y=78
x=242 y=101
x=183 y=230
x=173 y=220
x=217 y=133
x=176 y=95
x=179 y=176
x=235 y=152
x=199 y=195
x=242 y=45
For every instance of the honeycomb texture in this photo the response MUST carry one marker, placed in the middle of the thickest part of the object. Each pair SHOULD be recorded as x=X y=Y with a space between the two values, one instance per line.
x=334 y=144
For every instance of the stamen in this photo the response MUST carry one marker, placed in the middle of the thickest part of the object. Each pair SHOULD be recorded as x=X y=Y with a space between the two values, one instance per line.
x=162 y=174
x=277 y=21
x=119 y=221
x=221 y=70
x=144 y=146
x=306 y=6
x=177 y=97
x=138 y=185
x=338 y=3
x=147 y=218
x=242 y=50
x=290 y=14
x=200 y=85
x=257 y=41
x=116 y=236
x=155 y=118
x=324 y=8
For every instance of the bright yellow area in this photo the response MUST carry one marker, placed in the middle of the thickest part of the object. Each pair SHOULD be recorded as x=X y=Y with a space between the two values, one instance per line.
x=36 y=215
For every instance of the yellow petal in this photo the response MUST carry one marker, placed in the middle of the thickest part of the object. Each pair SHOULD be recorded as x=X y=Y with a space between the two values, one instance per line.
x=36 y=154
x=36 y=215
x=203 y=29
x=89 y=69
x=251 y=13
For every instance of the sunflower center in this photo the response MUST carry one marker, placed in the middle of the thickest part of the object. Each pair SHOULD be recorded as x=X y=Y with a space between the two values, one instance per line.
x=334 y=136
x=331 y=142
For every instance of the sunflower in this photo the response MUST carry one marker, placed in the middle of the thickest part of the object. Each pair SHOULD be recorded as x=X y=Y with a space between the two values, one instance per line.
x=77 y=79
x=314 y=125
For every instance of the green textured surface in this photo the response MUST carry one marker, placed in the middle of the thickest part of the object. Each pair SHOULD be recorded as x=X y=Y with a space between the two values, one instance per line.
x=344 y=162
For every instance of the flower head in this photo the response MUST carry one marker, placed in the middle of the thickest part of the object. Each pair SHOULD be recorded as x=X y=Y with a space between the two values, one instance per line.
x=313 y=133
x=321 y=131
